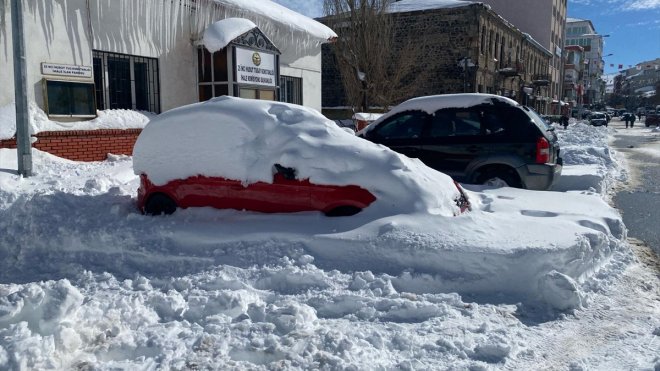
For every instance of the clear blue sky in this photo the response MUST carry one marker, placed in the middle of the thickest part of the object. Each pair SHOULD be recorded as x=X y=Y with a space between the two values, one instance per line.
x=633 y=26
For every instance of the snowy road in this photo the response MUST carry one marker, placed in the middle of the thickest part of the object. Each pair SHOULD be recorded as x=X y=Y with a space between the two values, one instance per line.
x=639 y=199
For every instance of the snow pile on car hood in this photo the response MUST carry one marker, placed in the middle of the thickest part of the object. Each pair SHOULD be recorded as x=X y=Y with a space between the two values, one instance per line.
x=242 y=139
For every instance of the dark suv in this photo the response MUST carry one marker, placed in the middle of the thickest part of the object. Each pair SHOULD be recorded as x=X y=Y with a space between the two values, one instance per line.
x=475 y=138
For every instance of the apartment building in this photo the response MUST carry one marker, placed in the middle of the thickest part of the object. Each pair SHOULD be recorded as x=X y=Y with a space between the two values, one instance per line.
x=544 y=21
x=468 y=48
x=581 y=32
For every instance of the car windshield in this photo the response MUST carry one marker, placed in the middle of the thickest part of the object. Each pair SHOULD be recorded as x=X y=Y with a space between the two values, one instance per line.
x=597 y=116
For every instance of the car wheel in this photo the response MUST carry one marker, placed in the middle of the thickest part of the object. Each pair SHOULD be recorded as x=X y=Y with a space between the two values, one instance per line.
x=343 y=211
x=500 y=178
x=159 y=204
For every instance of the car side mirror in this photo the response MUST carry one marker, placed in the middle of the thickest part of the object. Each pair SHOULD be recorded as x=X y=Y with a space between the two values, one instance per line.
x=288 y=173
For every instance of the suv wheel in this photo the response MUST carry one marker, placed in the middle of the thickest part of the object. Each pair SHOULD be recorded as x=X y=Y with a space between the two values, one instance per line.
x=500 y=177
x=159 y=204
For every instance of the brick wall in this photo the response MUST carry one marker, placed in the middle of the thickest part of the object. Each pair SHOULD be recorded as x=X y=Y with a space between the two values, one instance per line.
x=83 y=145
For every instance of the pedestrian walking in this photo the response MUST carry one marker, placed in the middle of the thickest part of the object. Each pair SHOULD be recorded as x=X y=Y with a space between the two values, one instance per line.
x=626 y=118
x=632 y=120
x=564 y=121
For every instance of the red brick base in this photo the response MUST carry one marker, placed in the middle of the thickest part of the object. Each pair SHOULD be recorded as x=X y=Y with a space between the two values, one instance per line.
x=83 y=145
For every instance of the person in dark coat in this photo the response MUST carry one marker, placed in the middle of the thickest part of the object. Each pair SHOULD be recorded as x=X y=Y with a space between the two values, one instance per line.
x=626 y=118
x=632 y=120
x=564 y=121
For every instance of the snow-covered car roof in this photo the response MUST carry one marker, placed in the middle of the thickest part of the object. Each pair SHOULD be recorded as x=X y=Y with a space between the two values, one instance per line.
x=432 y=103
x=242 y=139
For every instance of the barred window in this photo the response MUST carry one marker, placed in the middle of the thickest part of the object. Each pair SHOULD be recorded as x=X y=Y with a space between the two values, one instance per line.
x=291 y=89
x=126 y=82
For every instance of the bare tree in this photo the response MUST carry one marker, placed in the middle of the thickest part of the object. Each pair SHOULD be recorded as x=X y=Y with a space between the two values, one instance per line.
x=378 y=59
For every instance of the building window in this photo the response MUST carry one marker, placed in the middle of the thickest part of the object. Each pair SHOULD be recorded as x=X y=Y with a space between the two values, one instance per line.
x=254 y=93
x=212 y=74
x=126 y=82
x=483 y=40
x=291 y=89
x=69 y=98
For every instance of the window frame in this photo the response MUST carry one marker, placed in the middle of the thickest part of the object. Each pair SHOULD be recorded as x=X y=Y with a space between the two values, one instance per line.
x=102 y=77
x=295 y=92
x=48 y=103
x=212 y=81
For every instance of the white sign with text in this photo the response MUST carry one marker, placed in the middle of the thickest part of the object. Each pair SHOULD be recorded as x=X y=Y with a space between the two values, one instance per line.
x=66 y=70
x=255 y=68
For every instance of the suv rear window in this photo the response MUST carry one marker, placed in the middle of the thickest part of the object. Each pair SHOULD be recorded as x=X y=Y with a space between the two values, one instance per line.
x=538 y=121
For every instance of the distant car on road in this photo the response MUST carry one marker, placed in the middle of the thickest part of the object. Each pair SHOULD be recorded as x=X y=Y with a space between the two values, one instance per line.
x=475 y=138
x=598 y=119
x=272 y=157
x=652 y=117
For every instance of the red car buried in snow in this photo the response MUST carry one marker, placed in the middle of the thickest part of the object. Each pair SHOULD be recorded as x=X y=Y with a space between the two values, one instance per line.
x=273 y=157
x=284 y=194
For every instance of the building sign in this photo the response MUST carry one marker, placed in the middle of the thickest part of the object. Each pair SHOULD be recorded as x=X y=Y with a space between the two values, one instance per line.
x=255 y=67
x=66 y=70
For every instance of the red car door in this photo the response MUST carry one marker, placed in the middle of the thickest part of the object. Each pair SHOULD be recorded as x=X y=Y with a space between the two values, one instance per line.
x=283 y=195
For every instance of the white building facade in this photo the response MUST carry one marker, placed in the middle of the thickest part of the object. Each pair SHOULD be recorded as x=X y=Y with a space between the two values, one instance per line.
x=83 y=55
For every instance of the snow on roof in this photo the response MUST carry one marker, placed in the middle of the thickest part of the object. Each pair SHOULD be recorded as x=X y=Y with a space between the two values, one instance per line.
x=432 y=103
x=571 y=20
x=365 y=116
x=272 y=12
x=222 y=32
x=416 y=5
x=242 y=139
x=538 y=45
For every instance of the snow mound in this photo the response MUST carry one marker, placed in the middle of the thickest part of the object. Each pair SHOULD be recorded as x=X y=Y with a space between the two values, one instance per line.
x=589 y=162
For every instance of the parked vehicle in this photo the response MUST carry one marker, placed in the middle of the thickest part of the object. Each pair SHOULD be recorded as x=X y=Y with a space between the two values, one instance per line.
x=653 y=117
x=598 y=119
x=273 y=157
x=475 y=138
x=286 y=193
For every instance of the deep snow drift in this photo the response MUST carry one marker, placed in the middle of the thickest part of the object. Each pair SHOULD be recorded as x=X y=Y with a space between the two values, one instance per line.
x=88 y=282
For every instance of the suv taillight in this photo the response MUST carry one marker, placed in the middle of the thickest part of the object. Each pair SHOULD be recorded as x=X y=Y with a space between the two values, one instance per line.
x=542 y=151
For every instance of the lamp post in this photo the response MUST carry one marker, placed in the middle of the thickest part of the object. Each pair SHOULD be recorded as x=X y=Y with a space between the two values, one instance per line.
x=23 y=145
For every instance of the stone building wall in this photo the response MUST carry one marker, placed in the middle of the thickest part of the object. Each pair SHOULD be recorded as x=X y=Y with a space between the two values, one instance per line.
x=502 y=60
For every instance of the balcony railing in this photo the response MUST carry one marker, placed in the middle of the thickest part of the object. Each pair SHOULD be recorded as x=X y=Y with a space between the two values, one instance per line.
x=511 y=69
x=541 y=80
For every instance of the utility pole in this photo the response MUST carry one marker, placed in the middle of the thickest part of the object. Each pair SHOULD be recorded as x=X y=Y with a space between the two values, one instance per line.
x=23 y=145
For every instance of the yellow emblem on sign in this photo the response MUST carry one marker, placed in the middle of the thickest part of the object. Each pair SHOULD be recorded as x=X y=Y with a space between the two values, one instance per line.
x=256 y=58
